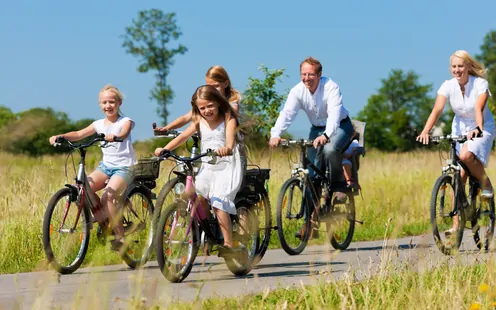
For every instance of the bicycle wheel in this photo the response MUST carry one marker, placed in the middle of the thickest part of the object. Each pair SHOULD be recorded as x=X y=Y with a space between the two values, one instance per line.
x=293 y=227
x=245 y=236
x=483 y=222
x=341 y=223
x=176 y=242
x=137 y=215
x=166 y=196
x=260 y=205
x=443 y=217
x=66 y=232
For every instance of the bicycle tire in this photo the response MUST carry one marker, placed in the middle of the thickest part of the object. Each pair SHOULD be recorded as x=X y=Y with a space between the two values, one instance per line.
x=350 y=216
x=243 y=264
x=440 y=185
x=175 y=209
x=489 y=232
x=147 y=214
x=290 y=184
x=48 y=229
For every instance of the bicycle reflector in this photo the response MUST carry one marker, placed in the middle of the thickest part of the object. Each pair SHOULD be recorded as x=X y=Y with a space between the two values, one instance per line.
x=179 y=188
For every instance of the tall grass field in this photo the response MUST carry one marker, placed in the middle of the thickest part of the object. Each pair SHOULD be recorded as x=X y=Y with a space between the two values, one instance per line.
x=394 y=203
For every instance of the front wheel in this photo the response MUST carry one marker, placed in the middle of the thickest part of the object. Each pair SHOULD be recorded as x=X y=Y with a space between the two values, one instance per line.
x=138 y=227
x=66 y=232
x=176 y=242
x=293 y=223
x=447 y=219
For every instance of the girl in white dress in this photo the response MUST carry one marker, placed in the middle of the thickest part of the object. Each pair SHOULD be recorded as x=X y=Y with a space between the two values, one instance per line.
x=216 y=122
x=467 y=93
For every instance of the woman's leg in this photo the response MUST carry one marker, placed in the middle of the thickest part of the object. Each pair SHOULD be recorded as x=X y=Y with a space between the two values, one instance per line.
x=475 y=167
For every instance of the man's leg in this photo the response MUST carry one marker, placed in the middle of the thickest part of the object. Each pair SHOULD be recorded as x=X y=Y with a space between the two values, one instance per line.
x=333 y=152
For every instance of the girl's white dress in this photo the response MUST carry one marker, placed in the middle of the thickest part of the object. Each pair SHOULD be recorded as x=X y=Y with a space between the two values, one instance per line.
x=464 y=107
x=220 y=181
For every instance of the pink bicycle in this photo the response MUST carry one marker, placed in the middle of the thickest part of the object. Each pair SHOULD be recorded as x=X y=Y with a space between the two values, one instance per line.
x=181 y=224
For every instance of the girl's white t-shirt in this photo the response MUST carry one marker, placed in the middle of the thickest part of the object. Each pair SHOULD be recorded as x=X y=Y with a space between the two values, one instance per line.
x=116 y=154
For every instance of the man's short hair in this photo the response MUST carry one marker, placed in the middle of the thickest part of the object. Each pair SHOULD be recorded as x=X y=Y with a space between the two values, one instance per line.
x=314 y=62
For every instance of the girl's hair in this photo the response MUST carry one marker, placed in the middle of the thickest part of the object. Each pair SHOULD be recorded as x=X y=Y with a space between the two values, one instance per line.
x=219 y=74
x=111 y=88
x=210 y=93
x=475 y=67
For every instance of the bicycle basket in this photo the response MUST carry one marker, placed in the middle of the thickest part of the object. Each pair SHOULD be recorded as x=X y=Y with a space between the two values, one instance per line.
x=146 y=169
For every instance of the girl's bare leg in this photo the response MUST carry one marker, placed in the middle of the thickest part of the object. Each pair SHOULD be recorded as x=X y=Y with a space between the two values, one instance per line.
x=225 y=226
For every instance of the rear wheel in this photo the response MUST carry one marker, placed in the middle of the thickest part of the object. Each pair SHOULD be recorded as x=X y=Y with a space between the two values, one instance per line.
x=66 y=232
x=443 y=218
x=176 y=242
x=341 y=223
x=293 y=227
x=483 y=223
x=138 y=227
x=246 y=238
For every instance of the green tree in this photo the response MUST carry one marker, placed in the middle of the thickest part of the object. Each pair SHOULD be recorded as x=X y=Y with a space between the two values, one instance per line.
x=488 y=58
x=400 y=105
x=262 y=102
x=29 y=131
x=6 y=115
x=149 y=38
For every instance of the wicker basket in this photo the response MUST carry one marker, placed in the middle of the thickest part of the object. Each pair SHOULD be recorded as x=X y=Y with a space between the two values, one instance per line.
x=146 y=169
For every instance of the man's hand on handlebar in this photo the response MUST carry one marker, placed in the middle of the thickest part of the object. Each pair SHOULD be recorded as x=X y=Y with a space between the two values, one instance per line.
x=319 y=140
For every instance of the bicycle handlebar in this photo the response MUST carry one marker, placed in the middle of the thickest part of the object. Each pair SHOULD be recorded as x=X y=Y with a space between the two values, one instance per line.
x=460 y=138
x=100 y=138
x=166 y=154
x=300 y=142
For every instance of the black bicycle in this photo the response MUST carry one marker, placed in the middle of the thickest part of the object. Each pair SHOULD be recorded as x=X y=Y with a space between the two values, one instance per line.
x=67 y=221
x=452 y=207
x=296 y=198
x=254 y=190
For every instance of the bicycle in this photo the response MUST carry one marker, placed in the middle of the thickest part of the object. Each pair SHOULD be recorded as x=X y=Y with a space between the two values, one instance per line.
x=254 y=189
x=181 y=224
x=67 y=222
x=293 y=214
x=450 y=189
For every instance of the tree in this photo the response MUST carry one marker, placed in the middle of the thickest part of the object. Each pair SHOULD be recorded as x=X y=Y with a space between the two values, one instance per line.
x=149 y=38
x=488 y=58
x=262 y=102
x=6 y=115
x=28 y=132
x=400 y=105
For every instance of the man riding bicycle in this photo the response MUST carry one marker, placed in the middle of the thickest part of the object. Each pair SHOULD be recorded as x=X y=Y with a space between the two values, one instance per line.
x=321 y=100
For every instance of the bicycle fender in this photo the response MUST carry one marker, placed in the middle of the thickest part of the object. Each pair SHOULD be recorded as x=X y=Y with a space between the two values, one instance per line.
x=74 y=191
x=133 y=186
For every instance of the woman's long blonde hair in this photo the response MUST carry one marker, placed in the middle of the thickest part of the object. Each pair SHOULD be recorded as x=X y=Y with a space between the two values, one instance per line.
x=219 y=74
x=475 y=67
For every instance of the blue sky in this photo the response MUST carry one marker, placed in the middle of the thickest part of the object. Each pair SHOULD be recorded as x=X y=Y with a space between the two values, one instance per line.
x=60 y=53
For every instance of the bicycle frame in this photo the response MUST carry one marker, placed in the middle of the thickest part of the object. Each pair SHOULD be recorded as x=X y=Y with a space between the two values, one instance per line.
x=302 y=168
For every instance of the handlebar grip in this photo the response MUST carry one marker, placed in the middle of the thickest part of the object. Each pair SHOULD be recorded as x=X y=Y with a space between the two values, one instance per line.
x=164 y=153
x=479 y=132
x=118 y=139
x=59 y=139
